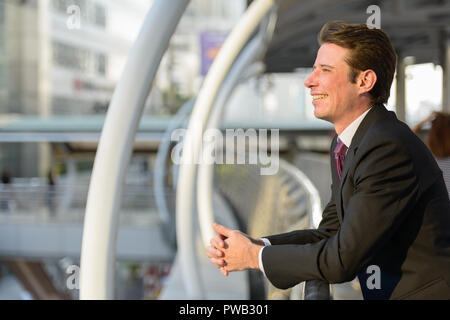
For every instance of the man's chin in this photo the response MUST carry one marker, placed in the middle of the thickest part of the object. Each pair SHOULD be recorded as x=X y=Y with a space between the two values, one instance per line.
x=321 y=116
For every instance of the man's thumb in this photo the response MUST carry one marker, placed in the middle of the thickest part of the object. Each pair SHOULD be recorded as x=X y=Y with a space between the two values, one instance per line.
x=221 y=229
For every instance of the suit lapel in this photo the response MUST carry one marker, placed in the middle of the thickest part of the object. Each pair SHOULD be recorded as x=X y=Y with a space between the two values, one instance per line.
x=375 y=113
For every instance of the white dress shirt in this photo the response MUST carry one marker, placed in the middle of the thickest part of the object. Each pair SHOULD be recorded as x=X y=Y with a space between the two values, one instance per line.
x=346 y=137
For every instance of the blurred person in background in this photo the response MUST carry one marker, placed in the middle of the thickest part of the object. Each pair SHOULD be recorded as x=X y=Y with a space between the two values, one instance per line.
x=6 y=181
x=51 y=192
x=438 y=141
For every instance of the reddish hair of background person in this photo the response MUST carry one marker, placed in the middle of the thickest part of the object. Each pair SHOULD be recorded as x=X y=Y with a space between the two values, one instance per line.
x=439 y=135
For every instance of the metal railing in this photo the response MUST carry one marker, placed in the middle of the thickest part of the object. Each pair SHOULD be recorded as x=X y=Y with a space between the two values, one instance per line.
x=32 y=199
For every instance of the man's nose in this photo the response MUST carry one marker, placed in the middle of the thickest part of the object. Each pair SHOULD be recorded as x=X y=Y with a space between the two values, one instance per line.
x=309 y=82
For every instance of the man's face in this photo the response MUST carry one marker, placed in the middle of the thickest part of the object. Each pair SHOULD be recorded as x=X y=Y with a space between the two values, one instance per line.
x=333 y=94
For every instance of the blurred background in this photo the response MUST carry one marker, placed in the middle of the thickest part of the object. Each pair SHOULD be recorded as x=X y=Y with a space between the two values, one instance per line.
x=60 y=61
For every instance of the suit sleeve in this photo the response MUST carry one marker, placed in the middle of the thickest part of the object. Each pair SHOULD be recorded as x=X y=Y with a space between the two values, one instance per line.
x=327 y=227
x=385 y=190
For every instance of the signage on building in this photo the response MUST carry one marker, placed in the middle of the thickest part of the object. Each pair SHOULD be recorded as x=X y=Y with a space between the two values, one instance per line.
x=87 y=85
x=211 y=41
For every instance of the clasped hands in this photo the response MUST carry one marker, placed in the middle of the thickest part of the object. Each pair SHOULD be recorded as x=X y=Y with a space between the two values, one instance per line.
x=232 y=250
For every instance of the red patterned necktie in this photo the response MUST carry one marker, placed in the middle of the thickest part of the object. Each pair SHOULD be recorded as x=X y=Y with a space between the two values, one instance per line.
x=339 y=155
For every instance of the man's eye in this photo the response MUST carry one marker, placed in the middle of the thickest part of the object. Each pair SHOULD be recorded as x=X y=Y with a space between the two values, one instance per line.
x=326 y=70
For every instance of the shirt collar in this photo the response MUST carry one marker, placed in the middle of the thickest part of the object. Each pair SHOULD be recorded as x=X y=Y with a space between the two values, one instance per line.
x=346 y=136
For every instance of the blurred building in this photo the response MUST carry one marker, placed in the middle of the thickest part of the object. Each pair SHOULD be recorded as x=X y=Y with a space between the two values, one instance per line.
x=180 y=74
x=64 y=57
x=61 y=57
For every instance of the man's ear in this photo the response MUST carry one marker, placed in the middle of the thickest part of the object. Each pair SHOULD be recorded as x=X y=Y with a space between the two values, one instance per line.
x=366 y=80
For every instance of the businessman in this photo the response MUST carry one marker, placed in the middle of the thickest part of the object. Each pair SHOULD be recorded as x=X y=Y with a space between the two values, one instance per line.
x=389 y=209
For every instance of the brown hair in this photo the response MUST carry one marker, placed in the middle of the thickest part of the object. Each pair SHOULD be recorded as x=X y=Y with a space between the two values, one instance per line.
x=370 y=49
x=439 y=135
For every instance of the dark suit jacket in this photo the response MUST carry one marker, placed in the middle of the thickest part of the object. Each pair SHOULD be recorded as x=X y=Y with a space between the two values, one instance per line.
x=391 y=209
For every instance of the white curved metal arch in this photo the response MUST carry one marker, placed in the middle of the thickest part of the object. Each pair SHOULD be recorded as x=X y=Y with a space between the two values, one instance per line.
x=191 y=147
x=115 y=147
x=206 y=170
x=253 y=51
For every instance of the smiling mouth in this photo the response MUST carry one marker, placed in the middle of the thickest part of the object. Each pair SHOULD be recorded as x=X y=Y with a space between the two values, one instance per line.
x=319 y=96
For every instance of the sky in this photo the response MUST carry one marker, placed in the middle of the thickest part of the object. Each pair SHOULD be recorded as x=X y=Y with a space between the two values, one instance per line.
x=423 y=91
